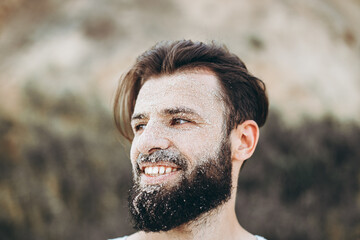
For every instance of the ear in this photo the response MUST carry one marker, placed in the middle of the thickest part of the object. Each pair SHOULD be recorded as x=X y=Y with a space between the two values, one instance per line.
x=243 y=140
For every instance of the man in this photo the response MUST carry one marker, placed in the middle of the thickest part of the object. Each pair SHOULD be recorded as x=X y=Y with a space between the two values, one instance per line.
x=193 y=112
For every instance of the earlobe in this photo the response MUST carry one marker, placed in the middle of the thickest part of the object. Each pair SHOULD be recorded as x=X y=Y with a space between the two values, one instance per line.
x=244 y=139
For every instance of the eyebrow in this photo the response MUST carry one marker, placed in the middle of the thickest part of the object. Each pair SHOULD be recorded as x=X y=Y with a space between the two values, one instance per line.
x=138 y=116
x=177 y=110
x=168 y=111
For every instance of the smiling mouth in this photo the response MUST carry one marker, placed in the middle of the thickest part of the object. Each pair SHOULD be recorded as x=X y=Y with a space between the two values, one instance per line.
x=158 y=170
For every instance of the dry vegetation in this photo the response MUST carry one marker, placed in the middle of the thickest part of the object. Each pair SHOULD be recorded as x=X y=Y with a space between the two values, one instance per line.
x=64 y=173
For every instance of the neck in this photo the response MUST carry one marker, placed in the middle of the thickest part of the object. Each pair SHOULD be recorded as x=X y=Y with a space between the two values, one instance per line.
x=220 y=223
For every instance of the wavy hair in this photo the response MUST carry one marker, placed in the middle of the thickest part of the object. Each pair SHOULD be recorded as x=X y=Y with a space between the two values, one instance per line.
x=244 y=95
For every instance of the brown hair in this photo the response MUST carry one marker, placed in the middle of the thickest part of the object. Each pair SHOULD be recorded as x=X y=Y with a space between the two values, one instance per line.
x=244 y=95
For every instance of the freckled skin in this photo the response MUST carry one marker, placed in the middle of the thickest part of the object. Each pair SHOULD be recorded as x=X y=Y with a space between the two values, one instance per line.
x=197 y=139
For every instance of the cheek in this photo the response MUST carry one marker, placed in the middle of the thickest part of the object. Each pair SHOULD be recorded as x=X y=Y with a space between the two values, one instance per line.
x=133 y=153
x=199 y=146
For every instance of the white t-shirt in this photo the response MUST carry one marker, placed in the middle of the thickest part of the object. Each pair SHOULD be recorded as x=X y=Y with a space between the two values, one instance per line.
x=124 y=238
x=259 y=237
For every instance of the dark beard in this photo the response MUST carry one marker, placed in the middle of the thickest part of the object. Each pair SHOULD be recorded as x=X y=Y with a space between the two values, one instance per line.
x=158 y=208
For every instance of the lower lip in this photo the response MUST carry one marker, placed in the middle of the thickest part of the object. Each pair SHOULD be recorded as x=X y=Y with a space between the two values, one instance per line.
x=149 y=179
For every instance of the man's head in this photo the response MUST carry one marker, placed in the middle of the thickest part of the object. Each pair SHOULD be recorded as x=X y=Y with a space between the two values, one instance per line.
x=243 y=94
x=192 y=109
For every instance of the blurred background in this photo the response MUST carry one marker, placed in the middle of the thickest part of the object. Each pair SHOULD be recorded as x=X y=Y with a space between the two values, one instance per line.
x=63 y=170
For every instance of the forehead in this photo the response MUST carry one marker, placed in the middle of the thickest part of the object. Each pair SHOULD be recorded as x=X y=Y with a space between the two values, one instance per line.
x=198 y=90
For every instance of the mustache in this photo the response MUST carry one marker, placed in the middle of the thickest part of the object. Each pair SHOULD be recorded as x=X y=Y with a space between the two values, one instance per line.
x=163 y=155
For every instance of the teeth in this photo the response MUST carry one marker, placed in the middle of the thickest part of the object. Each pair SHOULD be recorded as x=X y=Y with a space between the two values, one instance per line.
x=158 y=170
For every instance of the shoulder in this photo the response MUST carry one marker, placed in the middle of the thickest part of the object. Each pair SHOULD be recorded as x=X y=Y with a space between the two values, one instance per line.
x=259 y=237
x=135 y=236
x=120 y=238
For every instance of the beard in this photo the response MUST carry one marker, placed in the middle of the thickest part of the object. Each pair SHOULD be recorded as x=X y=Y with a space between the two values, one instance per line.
x=161 y=208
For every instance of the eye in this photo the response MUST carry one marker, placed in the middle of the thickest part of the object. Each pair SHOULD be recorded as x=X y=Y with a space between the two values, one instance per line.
x=179 y=121
x=139 y=127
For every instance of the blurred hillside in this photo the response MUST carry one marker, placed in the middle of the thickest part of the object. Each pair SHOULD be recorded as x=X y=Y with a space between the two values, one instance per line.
x=308 y=51
x=64 y=173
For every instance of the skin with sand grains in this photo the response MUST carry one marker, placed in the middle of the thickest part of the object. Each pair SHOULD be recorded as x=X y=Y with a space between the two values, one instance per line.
x=169 y=111
x=183 y=109
x=186 y=177
x=194 y=113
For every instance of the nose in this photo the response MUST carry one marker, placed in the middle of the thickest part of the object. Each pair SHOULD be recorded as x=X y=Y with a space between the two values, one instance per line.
x=153 y=138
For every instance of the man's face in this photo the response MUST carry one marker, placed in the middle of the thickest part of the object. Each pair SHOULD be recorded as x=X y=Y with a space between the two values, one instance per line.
x=180 y=157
